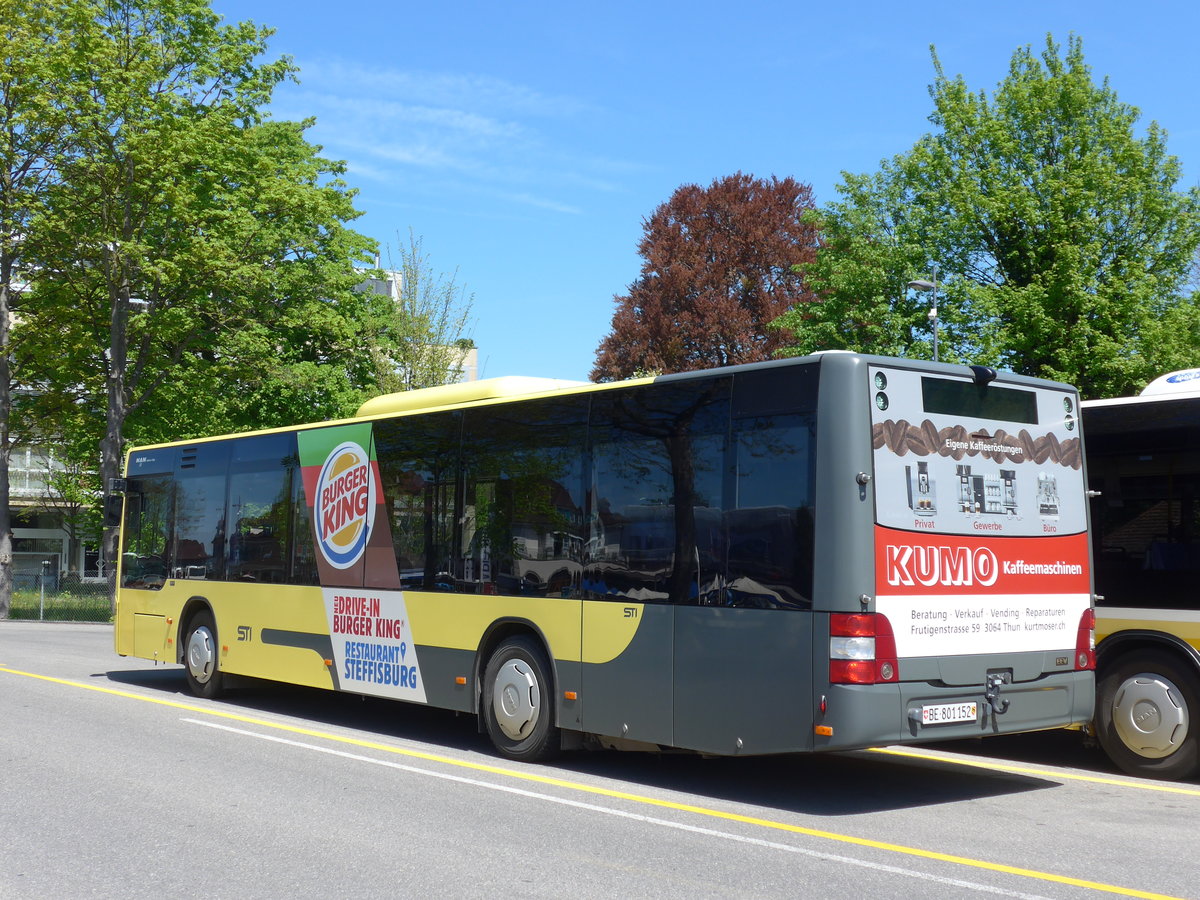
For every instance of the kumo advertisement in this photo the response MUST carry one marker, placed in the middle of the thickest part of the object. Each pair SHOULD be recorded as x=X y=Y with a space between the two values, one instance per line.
x=981 y=526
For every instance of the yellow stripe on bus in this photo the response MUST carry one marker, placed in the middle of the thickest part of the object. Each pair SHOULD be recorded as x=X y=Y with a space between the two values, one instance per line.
x=444 y=620
x=1182 y=623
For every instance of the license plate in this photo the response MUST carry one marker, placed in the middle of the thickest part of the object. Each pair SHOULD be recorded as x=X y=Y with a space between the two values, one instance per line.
x=949 y=712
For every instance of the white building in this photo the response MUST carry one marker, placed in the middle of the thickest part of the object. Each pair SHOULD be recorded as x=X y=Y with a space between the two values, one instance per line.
x=40 y=530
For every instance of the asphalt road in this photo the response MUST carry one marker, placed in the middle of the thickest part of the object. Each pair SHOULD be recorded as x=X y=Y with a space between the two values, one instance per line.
x=118 y=783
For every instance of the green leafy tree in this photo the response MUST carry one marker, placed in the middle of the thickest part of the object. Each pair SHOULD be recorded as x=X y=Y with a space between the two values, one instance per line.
x=193 y=258
x=1061 y=237
x=866 y=257
x=291 y=349
x=33 y=72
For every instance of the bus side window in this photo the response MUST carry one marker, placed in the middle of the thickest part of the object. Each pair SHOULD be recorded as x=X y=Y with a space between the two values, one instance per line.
x=770 y=521
x=419 y=467
x=259 y=512
x=149 y=511
x=200 y=536
x=523 y=501
x=302 y=553
x=658 y=466
x=1145 y=522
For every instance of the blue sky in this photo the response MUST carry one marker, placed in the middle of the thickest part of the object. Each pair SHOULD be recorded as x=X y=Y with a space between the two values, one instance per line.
x=525 y=142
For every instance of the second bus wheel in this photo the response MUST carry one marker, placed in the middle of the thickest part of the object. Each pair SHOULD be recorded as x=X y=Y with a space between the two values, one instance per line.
x=1148 y=715
x=517 y=704
x=200 y=651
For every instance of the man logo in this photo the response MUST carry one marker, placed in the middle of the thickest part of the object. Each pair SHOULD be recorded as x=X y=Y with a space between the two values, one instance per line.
x=345 y=505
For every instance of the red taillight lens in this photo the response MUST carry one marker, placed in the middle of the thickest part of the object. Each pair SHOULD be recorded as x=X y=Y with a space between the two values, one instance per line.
x=1085 y=642
x=846 y=671
x=862 y=649
x=852 y=625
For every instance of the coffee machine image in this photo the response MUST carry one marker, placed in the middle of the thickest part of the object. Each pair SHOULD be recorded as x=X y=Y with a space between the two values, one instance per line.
x=1047 y=494
x=993 y=495
x=922 y=493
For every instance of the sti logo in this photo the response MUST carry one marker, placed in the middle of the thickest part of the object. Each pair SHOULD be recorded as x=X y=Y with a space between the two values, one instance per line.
x=345 y=505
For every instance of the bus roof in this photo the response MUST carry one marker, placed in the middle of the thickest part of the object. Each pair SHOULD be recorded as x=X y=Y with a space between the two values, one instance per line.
x=466 y=392
x=512 y=387
x=1180 y=385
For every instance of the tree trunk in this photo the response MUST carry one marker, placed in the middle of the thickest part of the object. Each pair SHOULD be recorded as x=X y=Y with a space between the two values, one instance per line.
x=111 y=444
x=6 y=536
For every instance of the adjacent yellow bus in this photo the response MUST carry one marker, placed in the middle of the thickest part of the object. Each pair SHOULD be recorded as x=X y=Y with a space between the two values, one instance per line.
x=1143 y=456
x=832 y=552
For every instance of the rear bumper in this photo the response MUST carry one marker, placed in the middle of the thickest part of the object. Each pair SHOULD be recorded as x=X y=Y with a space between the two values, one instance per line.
x=874 y=715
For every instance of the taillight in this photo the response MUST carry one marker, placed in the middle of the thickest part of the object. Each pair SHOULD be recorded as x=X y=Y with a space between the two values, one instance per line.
x=1085 y=642
x=862 y=649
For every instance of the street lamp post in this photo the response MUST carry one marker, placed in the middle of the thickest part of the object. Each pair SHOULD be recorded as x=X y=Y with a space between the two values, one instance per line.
x=933 y=313
x=42 y=580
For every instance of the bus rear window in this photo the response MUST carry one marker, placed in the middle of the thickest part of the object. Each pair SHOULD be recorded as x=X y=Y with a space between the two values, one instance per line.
x=969 y=400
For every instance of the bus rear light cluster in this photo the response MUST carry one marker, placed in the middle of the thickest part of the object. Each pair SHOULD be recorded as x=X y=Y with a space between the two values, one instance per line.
x=1085 y=642
x=862 y=649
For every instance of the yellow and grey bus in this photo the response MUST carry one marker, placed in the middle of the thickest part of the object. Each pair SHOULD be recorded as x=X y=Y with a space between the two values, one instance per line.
x=832 y=552
x=1143 y=456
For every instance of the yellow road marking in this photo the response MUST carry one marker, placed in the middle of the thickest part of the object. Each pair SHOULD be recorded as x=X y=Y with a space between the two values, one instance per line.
x=1044 y=773
x=614 y=794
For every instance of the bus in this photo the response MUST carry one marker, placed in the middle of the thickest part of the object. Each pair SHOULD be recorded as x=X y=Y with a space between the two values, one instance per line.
x=831 y=552
x=1143 y=457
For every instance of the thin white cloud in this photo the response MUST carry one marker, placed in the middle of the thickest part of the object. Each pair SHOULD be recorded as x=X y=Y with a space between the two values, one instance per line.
x=414 y=153
x=473 y=136
x=388 y=114
x=471 y=92
x=540 y=203
x=357 y=168
x=455 y=177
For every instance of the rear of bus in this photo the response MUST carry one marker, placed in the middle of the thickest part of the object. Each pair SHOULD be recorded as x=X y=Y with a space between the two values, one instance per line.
x=954 y=555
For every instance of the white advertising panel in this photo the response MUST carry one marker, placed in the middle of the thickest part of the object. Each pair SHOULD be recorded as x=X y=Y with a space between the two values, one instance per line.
x=980 y=537
x=373 y=647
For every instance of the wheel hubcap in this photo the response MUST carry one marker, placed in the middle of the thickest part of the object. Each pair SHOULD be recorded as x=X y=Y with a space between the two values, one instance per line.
x=201 y=654
x=516 y=701
x=1150 y=716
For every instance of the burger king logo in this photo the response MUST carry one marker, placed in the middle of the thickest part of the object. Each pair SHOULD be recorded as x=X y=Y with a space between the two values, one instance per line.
x=345 y=505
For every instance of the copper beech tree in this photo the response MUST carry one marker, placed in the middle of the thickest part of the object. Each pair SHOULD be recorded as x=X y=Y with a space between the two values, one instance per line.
x=720 y=265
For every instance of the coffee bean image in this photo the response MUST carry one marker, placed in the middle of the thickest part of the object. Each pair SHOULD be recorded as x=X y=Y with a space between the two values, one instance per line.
x=954 y=441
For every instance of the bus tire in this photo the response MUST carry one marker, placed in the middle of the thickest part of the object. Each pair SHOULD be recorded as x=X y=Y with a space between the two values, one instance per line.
x=517 y=703
x=1148 y=715
x=200 y=657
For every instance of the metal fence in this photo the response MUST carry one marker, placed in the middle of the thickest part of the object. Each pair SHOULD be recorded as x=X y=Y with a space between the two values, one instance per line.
x=65 y=601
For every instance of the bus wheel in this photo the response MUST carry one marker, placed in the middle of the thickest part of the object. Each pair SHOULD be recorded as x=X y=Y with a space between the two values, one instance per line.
x=517 y=703
x=200 y=657
x=1147 y=710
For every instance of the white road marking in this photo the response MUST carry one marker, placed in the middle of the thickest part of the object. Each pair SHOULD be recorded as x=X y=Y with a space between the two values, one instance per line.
x=637 y=817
